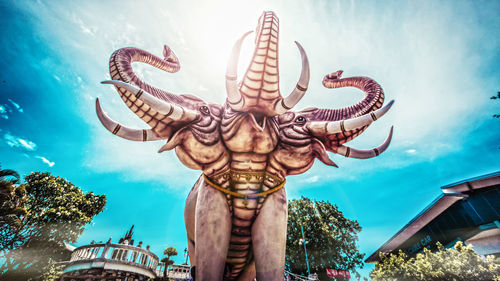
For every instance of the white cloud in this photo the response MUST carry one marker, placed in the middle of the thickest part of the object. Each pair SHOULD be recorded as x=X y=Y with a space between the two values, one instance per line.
x=16 y=105
x=29 y=145
x=312 y=179
x=138 y=161
x=83 y=27
x=46 y=161
x=3 y=112
x=7 y=109
x=411 y=59
x=14 y=141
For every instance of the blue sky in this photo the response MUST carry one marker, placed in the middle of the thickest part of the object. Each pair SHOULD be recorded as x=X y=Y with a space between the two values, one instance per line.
x=439 y=61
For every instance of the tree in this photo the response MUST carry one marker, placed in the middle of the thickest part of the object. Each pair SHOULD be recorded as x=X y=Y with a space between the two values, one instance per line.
x=11 y=208
x=168 y=252
x=56 y=213
x=459 y=264
x=52 y=272
x=331 y=239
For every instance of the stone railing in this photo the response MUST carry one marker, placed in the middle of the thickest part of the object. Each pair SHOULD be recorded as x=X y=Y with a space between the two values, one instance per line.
x=174 y=271
x=115 y=253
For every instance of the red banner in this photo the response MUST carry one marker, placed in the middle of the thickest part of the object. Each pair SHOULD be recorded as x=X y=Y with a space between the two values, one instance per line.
x=338 y=273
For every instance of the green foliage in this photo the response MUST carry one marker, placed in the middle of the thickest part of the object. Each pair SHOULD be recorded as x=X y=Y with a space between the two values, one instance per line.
x=52 y=272
x=458 y=264
x=56 y=212
x=331 y=238
x=11 y=209
x=168 y=252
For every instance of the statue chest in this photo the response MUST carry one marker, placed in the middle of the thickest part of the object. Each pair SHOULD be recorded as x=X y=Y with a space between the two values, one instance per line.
x=243 y=134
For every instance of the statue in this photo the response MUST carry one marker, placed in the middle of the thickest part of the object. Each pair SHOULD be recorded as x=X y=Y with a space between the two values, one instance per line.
x=236 y=213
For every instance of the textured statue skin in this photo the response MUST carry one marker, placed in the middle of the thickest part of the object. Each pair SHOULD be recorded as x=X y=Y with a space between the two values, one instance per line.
x=247 y=146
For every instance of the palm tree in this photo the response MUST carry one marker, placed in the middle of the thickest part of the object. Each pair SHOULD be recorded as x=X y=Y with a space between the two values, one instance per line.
x=170 y=251
x=11 y=207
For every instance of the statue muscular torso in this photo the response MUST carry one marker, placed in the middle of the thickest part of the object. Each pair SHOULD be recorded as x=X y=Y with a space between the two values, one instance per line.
x=246 y=171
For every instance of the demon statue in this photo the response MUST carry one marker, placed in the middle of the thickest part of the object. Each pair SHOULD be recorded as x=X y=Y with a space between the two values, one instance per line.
x=236 y=213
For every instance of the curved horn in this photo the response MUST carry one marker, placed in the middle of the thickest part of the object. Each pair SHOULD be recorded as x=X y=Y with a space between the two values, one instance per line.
x=365 y=154
x=122 y=131
x=333 y=127
x=170 y=110
x=234 y=97
x=300 y=89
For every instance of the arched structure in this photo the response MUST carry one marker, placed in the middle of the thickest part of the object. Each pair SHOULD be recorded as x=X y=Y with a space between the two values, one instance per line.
x=110 y=261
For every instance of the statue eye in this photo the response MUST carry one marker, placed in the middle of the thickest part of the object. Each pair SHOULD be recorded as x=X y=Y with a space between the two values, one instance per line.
x=300 y=119
x=204 y=109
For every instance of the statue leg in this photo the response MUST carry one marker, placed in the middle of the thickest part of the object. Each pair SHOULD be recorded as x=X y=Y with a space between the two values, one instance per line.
x=189 y=222
x=248 y=274
x=269 y=237
x=212 y=233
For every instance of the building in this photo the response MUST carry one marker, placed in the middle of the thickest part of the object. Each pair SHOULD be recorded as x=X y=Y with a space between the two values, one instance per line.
x=179 y=272
x=109 y=261
x=122 y=261
x=467 y=211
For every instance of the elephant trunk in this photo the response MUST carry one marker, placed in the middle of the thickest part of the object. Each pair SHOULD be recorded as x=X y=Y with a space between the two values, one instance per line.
x=259 y=91
x=260 y=85
x=374 y=97
x=120 y=68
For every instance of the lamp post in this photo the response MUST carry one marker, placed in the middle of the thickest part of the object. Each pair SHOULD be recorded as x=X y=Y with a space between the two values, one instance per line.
x=305 y=249
x=186 y=255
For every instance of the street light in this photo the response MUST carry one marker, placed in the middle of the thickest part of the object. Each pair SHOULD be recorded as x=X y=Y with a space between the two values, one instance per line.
x=303 y=240
x=186 y=255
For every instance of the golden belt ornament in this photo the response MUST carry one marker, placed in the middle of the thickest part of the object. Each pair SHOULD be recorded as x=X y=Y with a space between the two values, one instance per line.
x=244 y=196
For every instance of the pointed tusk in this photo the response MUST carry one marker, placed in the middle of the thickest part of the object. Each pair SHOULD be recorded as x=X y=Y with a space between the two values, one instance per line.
x=329 y=127
x=301 y=87
x=234 y=97
x=171 y=111
x=365 y=154
x=122 y=131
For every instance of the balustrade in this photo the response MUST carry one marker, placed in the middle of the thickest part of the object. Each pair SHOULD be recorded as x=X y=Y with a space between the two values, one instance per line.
x=116 y=252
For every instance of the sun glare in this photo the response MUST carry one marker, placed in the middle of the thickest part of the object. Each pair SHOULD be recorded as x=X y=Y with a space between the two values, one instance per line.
x=212 y=30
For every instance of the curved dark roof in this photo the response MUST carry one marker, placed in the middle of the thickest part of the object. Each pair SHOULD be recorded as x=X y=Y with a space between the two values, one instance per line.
x=451 y=194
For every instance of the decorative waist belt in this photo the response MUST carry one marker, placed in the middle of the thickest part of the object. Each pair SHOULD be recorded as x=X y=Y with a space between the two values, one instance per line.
x=245 y=196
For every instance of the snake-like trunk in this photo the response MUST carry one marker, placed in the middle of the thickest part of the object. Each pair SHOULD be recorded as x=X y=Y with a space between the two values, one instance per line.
x=260 y=85
x=120 y=68
x=373 y=100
